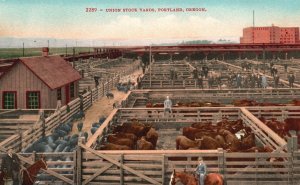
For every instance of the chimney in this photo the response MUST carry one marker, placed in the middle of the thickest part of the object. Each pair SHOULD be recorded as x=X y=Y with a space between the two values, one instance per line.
x=45 y=51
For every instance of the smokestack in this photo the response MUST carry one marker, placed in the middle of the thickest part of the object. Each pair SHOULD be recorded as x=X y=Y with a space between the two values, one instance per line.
x=45 y=51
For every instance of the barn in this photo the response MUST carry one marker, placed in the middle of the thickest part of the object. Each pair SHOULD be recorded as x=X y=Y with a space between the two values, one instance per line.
x=37 y=82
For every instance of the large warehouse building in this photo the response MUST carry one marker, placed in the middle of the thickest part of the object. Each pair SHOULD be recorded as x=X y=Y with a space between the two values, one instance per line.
x=271 y=34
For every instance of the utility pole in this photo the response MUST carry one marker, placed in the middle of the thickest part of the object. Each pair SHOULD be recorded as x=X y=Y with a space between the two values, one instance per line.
x=150 y=59
x=48 y=46
x=253 y=27
x=66 y=49
x=23 y=50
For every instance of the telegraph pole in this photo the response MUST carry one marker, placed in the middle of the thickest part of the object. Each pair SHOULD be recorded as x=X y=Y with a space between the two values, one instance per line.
x=150 y=59
x=23 y=50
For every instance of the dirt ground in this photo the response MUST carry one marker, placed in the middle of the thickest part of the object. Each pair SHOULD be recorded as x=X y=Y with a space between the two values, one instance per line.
x=102 y=107
x=166 y=139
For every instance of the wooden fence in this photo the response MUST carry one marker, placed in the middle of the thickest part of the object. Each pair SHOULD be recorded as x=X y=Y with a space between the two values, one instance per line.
x=88 y=166
x=139 y=98
x=21 y=140
x=186 y=116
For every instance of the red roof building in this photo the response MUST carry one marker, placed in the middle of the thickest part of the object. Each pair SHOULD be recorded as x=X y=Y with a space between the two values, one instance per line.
x=272 y=34
x=37 y=82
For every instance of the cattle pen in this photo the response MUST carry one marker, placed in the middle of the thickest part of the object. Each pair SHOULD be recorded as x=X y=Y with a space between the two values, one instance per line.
x=89 y=165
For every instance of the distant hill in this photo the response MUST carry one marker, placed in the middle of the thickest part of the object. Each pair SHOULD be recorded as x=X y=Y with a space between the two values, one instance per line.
x=194 y=42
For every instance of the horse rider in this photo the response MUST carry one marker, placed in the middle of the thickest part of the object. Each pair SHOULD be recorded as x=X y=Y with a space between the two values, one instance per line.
x=167 y=105
x=201 y=171
x=11 y=168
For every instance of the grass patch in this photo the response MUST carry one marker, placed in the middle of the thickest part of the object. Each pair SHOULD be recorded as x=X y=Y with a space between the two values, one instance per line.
x=7 y=53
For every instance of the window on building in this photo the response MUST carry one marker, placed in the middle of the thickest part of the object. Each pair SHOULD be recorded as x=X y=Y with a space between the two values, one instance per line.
x=33 y=100
x=72 y=90
x=59 y=94
x=9 y=100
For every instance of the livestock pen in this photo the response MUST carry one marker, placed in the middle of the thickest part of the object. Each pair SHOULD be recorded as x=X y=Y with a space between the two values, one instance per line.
x=237 y=167
x=226 y=97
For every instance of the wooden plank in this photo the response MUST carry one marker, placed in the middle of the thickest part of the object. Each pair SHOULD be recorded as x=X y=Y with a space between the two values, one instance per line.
x=120 y=165
x=99 y=172
x=281 y=142
x=101 y=128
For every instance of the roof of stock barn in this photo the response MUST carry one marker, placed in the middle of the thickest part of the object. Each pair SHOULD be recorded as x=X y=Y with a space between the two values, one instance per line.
x=54 y=71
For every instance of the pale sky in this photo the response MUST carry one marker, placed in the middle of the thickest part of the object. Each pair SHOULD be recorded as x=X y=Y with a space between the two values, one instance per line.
x=67 y=19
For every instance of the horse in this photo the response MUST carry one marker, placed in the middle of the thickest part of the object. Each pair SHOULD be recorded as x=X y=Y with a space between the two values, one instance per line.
x=190 y=179
x=29 y=174
x=213 y=179
x=184 y=178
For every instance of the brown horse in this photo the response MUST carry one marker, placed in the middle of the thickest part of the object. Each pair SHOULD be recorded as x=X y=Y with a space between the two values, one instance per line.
x=214 y=179
x=190 y=179
x=29 y=175
x=184 y=178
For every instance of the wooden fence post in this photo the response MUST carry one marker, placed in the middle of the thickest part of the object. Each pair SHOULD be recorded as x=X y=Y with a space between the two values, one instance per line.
x=221 y=160
x=79 y=161
x=75 y=166
x=91 y=97
x=20 y=135
x=42 y=120
x=163 y=169
x=121 y=169
x=256 y=166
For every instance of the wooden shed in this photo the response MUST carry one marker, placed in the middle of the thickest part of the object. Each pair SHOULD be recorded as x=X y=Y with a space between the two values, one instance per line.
x=37 y=82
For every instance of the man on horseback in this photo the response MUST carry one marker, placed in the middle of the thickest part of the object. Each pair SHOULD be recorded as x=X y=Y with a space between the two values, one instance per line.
x=201 y=171
x=11 y=168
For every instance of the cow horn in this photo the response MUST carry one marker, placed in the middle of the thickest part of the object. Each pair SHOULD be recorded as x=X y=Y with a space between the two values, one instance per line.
x=199 y=139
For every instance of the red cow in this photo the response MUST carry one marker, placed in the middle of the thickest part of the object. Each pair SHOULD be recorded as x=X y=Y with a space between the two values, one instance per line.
x=220 y=139
x=184 y=143
x=126 y=135
x=111 y=146
x=120 y=141
x=143 y=144
x=292 y=124
x=149 y=105
x=152 y=137
x=209 y=143
x=248 y=141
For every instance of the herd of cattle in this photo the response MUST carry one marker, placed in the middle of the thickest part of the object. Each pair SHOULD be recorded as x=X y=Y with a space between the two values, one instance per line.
x=130 y=136
x=232 y=136
x=283 y=128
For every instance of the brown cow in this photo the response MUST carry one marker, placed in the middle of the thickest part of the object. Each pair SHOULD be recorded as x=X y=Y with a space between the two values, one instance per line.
x=231 y=140
x=184 y=143
x=194 y=133
x=209 y=143
x=201 y=125
x=135 y=128
x=120 y=141
x=152 y=137
x=292 y=124
x=248 y=141
x=126 y=135
x=111 y=146
x=143 y=144
x=220 y=139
